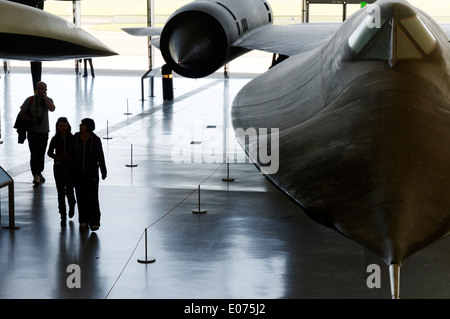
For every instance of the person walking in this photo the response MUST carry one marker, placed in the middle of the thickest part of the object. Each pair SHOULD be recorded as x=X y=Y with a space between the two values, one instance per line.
x=87 y=158
x=58 y=150
x=35 y=110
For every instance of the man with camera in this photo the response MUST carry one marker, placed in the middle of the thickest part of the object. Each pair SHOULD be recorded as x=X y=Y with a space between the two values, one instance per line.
x=35 y=110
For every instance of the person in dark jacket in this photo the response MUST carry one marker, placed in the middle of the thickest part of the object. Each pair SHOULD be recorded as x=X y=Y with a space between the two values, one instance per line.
x=86 y=159
x=58 y=150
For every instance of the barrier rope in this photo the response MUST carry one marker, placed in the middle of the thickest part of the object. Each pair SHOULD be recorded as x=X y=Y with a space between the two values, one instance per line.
x=154 y=223
x=116 y=130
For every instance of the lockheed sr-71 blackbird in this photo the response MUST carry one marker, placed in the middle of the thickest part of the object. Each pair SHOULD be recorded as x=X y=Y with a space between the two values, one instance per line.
x=362 y=112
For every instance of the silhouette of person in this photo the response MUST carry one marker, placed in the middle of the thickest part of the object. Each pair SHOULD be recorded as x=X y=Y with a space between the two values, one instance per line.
x=35 y=110
x=59 y=150
x=86 y=159
x=85 y=68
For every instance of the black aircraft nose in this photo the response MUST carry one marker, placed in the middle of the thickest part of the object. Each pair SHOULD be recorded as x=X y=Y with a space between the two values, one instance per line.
x=193 y=44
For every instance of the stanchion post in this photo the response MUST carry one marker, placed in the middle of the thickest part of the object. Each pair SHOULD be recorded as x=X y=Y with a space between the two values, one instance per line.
x=131 y=165
x=12 y=223
x=199 y=211
x=147 y=260
x=107 y=131
x=128 y=112
x=228 y=179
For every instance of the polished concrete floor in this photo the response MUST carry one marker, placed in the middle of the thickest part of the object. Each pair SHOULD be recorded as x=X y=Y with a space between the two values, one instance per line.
x=252 y=242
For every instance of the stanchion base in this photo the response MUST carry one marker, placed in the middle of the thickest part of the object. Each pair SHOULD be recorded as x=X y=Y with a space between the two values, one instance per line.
x=127 y=113
x=228 y=179
x=199 y=211
x=11 y=227
x=146 y=261
x=107 y=138
x=131 y=165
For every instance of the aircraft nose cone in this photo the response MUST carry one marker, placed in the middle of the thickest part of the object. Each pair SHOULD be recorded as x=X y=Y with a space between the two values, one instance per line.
x=392 y=222
x=194 y=44
x=189 y=47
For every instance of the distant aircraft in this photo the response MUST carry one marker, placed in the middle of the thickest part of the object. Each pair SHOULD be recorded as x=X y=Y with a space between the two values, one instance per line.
x=30 y=34
x=362 y=111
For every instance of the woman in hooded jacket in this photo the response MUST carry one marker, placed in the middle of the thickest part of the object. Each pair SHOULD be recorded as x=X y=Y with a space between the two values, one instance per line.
x=58 y=150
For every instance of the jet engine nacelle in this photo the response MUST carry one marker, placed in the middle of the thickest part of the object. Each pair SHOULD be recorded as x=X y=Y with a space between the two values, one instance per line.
x=198 y=38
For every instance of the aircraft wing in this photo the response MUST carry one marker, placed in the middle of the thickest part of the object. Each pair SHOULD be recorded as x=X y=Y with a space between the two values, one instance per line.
x=288 y=39
x=31 y=34
x=282 y=39
x=146 y=32
x=295 y=38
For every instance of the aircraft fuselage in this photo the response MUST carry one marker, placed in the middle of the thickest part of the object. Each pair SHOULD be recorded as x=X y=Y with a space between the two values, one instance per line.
x=364 y=136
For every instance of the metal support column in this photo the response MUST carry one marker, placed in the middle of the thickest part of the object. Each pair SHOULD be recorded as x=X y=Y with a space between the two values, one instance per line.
x=76 y=11
x=303 y=11
x=150 y=23
x=150 y=73
x=307 y=12
x=344 y=10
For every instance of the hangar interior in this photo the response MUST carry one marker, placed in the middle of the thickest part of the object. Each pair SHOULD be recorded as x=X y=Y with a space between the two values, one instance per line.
x=166 y=163
x=252 y=242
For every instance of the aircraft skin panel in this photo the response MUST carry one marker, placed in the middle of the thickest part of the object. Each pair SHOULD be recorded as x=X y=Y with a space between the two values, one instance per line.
x=285 y=113
x=24 y=21
x=288 y=39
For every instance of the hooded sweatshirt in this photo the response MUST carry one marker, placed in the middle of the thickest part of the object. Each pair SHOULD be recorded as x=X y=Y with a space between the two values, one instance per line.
x=87 y=157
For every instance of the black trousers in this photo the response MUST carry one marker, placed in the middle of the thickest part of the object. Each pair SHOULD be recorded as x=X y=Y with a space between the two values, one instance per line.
x=37 y=142
x=64 y=188
x=86 y=189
